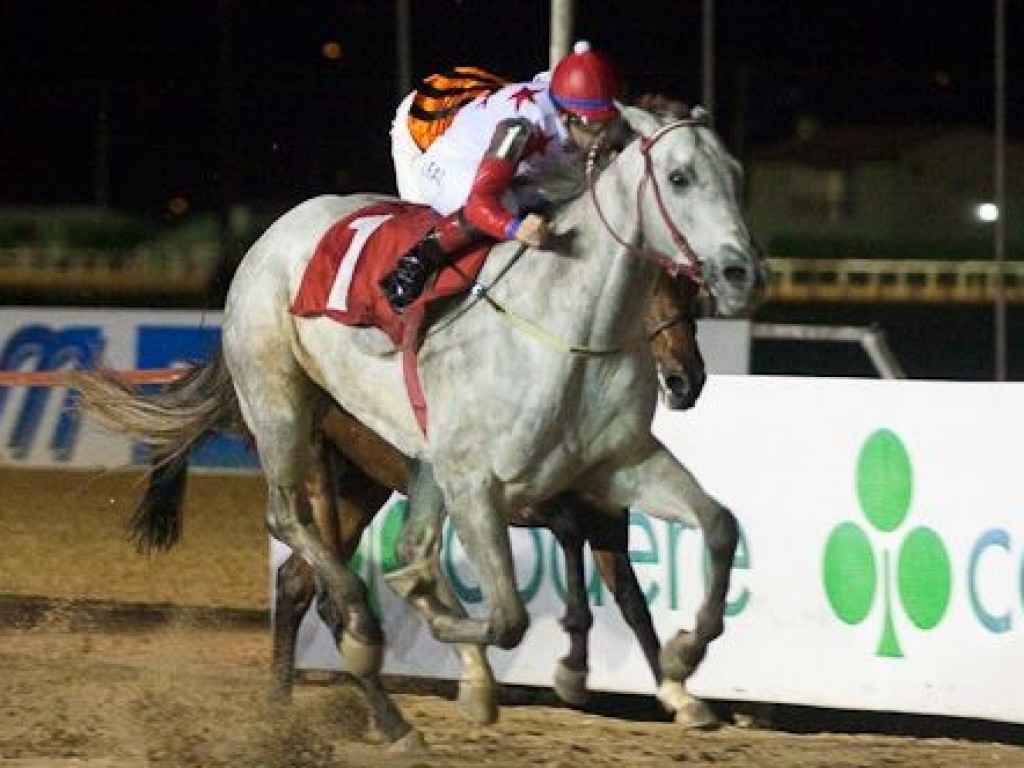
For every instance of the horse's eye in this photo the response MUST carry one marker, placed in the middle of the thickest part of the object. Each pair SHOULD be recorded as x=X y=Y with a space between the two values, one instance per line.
x=677 y=179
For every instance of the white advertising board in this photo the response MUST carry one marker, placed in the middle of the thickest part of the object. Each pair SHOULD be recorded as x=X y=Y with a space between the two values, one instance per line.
x=881 y=565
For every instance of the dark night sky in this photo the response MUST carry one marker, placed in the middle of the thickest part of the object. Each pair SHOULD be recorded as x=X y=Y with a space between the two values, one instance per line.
x=143 y=84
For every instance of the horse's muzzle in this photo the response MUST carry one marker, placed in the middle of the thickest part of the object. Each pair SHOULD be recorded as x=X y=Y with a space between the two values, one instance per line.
x=737 y=279
x=680 y=391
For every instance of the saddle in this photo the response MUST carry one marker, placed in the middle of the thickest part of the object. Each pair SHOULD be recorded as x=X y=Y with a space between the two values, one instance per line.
x=341 y=280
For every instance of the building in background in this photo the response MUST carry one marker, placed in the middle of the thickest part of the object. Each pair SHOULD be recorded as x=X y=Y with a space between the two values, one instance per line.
x=886 y=192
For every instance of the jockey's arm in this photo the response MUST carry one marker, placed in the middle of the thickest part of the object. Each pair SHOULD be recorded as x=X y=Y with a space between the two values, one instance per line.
x=483 y=209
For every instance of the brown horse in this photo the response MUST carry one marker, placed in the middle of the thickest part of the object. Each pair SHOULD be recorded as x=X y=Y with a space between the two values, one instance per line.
x=362 y=470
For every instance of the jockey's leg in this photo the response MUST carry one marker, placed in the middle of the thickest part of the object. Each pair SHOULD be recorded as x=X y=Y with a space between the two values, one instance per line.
x=406 y=282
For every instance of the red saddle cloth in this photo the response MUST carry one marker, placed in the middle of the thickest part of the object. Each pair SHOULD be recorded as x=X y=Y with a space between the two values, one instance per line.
x=342 y=279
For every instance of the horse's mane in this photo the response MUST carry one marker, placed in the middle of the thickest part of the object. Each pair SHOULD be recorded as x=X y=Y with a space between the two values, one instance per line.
x=663 y=106
x=566 y=181
x=562 y=182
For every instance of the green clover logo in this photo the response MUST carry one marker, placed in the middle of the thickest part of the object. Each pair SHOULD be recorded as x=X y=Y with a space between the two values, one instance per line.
x=850 y=568
x=390 y=531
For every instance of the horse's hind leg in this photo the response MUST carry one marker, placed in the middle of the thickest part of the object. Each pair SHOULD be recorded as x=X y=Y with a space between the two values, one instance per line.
x=281 y=421
x=293 y=594
x=354 y=627
x=295 y=587
x=659 y=485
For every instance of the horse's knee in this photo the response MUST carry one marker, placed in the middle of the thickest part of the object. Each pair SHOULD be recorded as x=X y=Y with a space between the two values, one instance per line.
x=577 y=619
x=723 y=533
x=295 y=583
x=509 y=626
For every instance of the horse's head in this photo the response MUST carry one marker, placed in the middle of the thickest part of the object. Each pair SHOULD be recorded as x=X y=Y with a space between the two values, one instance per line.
x=672 y=330
x=689 y=206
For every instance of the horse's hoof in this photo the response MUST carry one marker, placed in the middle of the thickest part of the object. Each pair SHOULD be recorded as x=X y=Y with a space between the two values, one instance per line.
x=697 y=716
x=361 y=660
x=689 y=712
x=571 y=685
x=411 y=743
x=477 y=703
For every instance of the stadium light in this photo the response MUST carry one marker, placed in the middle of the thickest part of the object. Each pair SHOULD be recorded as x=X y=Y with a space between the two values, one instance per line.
x=986 y=212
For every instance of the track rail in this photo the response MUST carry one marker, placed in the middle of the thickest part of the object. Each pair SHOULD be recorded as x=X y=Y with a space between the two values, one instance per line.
x=64 y=378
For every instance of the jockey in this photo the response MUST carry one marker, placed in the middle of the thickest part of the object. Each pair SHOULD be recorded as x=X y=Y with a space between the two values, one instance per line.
x=477 y=174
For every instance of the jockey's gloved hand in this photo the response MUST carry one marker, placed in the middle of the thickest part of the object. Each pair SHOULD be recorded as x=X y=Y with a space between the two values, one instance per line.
x=533 y=230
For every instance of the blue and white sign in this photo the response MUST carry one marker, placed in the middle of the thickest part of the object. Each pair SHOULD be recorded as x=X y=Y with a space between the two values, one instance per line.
x=39 y=426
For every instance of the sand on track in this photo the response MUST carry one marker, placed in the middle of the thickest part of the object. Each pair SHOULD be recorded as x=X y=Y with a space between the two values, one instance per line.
x=83 y=683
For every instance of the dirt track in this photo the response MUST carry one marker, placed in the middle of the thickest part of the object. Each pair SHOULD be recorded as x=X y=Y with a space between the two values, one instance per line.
x=81 y=687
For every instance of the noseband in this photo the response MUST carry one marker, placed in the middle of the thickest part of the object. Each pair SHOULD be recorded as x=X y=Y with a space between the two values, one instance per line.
x=690 y=265
x=668 y=324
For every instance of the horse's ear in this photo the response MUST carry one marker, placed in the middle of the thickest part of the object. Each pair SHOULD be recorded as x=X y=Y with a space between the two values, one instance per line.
x=701 y=115
x=663 y=106
x=640 y=120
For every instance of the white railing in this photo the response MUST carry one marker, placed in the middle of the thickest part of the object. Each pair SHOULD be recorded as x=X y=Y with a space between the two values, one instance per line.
x=893 y=280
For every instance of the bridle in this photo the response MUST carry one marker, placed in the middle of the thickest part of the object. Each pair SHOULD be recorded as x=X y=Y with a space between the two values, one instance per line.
x=690 y=265
x=683 y=316
x=668 y=324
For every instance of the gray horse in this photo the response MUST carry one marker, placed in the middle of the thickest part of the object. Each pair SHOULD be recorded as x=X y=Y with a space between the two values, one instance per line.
x=545 y=385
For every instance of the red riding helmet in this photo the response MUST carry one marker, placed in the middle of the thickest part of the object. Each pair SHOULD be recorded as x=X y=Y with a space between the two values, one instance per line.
x=586 y=83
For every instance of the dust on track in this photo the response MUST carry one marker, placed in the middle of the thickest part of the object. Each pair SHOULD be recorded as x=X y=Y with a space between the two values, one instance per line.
x=109 y=659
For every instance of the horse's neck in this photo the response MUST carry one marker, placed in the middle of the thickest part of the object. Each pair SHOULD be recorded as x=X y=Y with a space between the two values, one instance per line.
x=595 y=295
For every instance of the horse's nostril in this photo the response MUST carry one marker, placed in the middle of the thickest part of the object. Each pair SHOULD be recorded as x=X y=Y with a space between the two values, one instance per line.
x=736 y=275
x=677 y=385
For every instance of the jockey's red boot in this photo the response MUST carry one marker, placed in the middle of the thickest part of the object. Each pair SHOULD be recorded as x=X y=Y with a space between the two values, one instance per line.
x=403 y=285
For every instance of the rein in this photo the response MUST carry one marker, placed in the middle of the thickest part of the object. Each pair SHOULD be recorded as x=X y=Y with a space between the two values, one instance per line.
x=690 y=264
x=667 y=324
x=479 y=291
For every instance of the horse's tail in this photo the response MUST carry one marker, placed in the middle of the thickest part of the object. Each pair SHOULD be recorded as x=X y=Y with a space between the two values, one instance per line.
x=194 y=406
x=157 y=520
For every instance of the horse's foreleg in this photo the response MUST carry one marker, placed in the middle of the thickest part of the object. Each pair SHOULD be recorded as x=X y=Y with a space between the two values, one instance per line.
x=482 y=528
x=571 y=670
x=422 y=584
x=609 y=544
x=619 y=577
x=484 y=535
x=659 y=485
x=567 y=517
x=419 y=546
